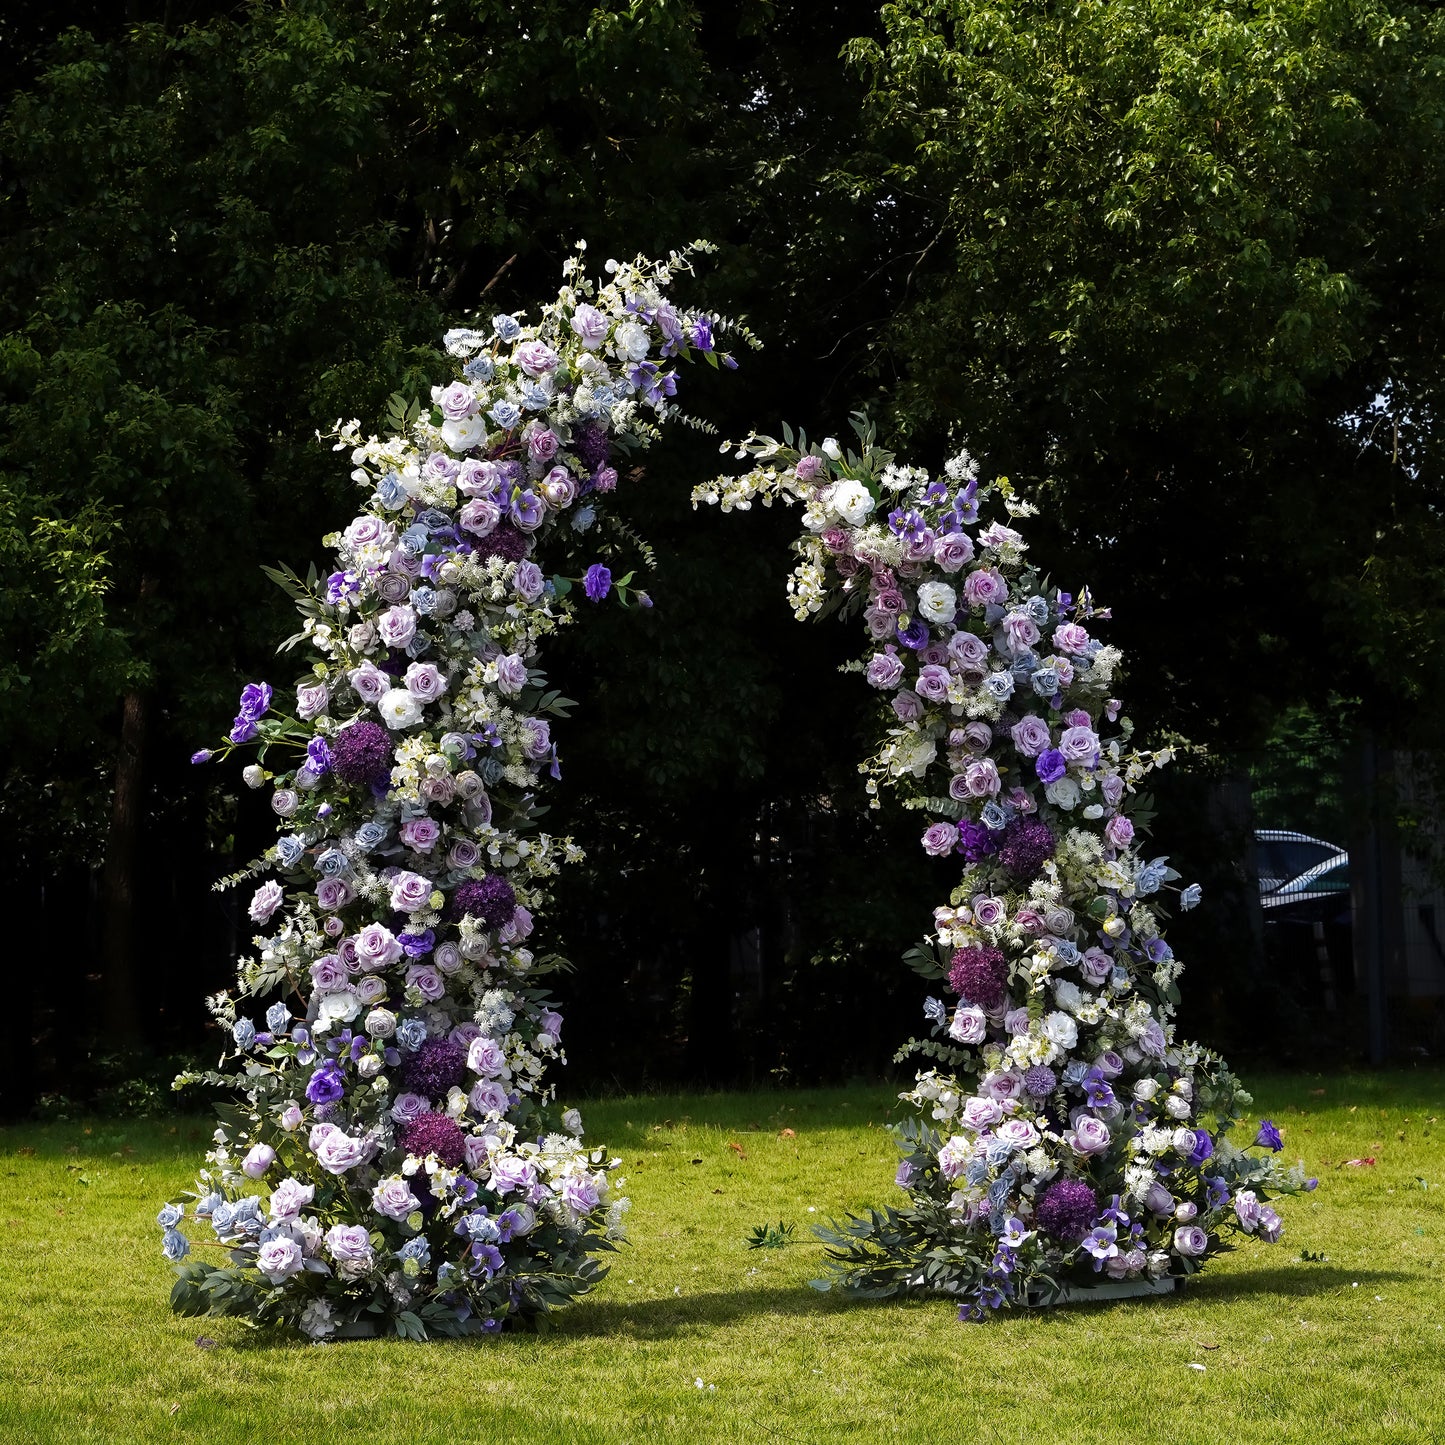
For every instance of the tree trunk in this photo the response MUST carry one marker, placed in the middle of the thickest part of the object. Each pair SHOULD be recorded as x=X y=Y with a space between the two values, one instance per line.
x=122 y=1018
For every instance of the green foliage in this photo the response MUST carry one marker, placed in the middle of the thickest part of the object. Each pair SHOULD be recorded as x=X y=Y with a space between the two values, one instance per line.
x=1177 y=265
x=771 y=1236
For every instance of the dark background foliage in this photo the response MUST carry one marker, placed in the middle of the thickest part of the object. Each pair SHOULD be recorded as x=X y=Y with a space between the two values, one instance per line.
x=1175 y=268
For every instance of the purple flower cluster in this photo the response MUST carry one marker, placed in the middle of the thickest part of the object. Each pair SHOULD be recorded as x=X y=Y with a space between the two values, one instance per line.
x=1026 y=845
x=492 y=899
x=437 y=1134
x=362 y=754
x=1067 y=1210
x=979 y=975
x=436 y=1067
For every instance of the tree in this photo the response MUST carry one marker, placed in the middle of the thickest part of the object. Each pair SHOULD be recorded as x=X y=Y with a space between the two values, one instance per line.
x=1186 y=257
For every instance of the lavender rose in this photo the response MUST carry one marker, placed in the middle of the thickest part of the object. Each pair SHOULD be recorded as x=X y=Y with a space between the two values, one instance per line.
x=394 y=1199
x=279 y=1258
x=885 y=669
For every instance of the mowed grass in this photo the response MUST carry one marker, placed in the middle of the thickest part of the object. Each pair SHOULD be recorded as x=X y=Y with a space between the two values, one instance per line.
x=1350 y=1348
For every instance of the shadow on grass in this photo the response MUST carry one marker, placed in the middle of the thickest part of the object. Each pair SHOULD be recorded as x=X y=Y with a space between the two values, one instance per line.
x=667 y=1318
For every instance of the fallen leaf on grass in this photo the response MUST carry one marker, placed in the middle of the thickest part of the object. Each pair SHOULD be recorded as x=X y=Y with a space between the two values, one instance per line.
x=1366 y=1163
x=205 y=1342
x=737 y=1149
x=174 y=1410
x=1193 y=1366
x=1203 y=1346
x=787 y=1134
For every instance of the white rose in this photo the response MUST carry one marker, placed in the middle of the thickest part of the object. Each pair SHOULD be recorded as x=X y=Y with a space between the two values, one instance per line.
x=1060 y=1029
x=339 y=1007
x=630 y=341
x=1185 y=1141
x=1145 y=1090
x=831 y=448
x=253 y=776
x=1063 y=794
x=850 y=502
x=1067 y=995
x=462 y=436
x=1176 y=1107
x=937 y=601
x=399 y=708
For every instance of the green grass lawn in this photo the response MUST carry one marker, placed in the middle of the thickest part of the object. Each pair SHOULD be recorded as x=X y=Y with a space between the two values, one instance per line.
x=1350 y=1348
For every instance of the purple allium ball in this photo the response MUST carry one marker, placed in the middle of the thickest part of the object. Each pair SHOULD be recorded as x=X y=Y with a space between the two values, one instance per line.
x=1067 y=1210
x=435 y=1134
x=976 y=841
x=590 y=444
x=505 y=542
x=438 y=1065
x=1026 y=846
x=361 y=754
x=1040 y=1081
x=979 y=975
x=491 y=899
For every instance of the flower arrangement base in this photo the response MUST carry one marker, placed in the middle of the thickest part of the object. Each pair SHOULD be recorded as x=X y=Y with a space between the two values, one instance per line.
x=1083 y=1294
x=371 y=1330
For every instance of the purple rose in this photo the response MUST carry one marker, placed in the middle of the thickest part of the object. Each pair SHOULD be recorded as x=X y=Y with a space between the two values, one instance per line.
x=542 y=444
x=279 y=1258
x=1119 y=831
x=268 y=898
x=969 y=1025
x=536 y=738
x=394 y=1199
x=1191 y=1240
x=528 y=581
x=1090 y=1136
x=1070 y=637
x=1031 y=736
x=424 y=682
x=369 y=682
x=808 y=469
x=1050 y=765
x=338 y=1152
x=985 y=587
x=420 y=833
x=255 y=701
x=512 y=1174
x=940 y=839
x=1079 y=745
x=396 y=626
x=598 y=582
x=536 y=358
x=410 y=892
x=311 y=700
x=457 y=402
x=488 y=1097
x=376 y=947
x=981 y=778
x=426 y=980
x=333 y=893
x=989 y=912
x=953 y=551
x=907 y=705
x=885 y=669
x=590 y=326
x=349 y=1245
x=932 y=683
x=511 y=674
x=967 y=649
x=480 y=517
